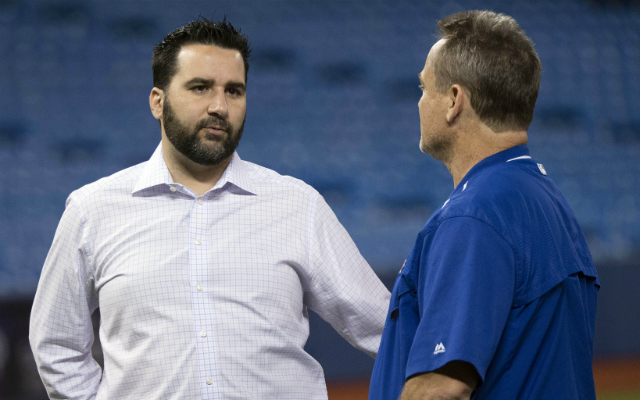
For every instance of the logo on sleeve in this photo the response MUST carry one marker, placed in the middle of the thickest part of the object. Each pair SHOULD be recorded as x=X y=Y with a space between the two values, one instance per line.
x=439 y=349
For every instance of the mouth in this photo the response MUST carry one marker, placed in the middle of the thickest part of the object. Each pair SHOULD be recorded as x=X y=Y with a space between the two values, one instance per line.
x=216 y=130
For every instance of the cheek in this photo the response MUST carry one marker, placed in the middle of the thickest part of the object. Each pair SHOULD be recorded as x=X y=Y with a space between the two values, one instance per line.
x=239 y=112
x=421 y=107
x=423 y=111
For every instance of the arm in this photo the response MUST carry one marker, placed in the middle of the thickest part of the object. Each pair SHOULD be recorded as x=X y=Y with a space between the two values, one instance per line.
x=61 y=333
x=466 y=282
x=343 y=289
x=456 y=380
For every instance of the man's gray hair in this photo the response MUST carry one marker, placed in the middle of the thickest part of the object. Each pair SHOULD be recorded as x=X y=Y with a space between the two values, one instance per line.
x=493 y=59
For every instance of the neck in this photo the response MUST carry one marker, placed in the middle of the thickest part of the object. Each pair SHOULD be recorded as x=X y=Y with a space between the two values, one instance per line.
x=478 y=144
x=197 y=177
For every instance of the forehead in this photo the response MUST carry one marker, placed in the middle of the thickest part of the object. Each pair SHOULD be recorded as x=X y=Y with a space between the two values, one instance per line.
x=209 y=62
x=434 y=49
x=429 y=62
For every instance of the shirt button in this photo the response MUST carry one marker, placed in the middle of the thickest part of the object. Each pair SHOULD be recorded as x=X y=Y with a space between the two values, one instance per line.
x=198 y=242
x=173 y=189
x=209 y=381
x=200 y=201
x=203 y=334
x=199 y=287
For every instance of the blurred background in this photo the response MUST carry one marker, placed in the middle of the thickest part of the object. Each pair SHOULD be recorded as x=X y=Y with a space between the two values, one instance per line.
x=332 y=100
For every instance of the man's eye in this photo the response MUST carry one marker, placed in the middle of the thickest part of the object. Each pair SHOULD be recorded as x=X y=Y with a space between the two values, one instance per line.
x=233 y=91
x=200 y=88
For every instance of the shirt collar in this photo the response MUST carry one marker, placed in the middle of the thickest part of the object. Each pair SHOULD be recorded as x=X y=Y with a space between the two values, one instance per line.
x=236 y=173
x=498 y=158
x=156 y=173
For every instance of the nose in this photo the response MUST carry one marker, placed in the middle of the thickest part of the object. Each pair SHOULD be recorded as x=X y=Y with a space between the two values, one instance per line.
x=218 y=103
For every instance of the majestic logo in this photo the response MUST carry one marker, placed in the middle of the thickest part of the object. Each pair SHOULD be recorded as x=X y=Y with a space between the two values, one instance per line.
x=439 y=349
x=541 y=168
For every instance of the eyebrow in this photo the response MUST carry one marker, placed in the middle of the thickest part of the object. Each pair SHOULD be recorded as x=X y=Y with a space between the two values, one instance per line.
x=211 y=82
x=237 y=85
x=200 y=81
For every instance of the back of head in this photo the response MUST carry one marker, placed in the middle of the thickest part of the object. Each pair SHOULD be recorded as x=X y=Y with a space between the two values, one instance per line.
x=492 y=58
x=201 y=31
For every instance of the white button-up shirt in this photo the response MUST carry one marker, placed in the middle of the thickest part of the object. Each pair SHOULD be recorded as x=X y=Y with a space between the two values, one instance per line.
x=200 y=297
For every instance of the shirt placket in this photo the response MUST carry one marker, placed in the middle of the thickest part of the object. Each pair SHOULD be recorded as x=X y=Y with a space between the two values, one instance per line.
x=199 y=278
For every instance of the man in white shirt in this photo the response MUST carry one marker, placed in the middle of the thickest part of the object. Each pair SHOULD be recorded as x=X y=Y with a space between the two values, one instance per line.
x=202 y=265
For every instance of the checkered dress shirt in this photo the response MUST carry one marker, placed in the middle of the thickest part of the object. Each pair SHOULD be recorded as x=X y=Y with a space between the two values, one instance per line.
x=201 y=297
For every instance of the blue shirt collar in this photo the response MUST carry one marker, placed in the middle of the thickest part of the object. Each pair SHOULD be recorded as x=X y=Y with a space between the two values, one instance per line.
x=498 y=158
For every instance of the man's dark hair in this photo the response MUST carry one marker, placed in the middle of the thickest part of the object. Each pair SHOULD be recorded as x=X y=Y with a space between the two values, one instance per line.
x=201 y=31
x=493 y=59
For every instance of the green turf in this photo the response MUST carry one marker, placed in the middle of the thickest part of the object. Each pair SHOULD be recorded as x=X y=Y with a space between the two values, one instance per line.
x=626 y=395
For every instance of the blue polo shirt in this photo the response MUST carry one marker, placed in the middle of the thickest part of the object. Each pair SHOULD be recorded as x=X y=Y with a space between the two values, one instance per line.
x=499 y=277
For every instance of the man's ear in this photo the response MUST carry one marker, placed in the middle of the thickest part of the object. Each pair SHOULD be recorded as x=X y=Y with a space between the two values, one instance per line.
x=457 y=99
x=156 y=102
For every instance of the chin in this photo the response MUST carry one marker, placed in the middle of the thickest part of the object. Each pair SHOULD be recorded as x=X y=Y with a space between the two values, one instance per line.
x=212 y=137
x=423 y=147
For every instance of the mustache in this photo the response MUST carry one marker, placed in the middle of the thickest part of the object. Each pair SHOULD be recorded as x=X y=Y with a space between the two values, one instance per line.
x=214 y=121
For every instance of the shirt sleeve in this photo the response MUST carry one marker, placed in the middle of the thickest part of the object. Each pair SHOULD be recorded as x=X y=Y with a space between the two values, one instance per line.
x=344 y=290
x=465 y=283
x=61 y=333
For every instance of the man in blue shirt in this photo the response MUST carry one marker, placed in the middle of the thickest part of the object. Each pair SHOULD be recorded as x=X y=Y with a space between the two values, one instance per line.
x=497 y=298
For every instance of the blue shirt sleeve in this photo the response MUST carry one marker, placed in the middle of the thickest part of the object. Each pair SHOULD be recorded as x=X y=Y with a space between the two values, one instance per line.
x=465 y=285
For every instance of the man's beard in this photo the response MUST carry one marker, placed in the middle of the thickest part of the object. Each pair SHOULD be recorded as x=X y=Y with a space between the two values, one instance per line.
x=189 y=144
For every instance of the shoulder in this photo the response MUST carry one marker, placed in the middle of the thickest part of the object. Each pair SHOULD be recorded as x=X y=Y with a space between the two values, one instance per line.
x=497 y=197
x=120 y=183
x=502 y=189
x=270 y=182
x=501 y=185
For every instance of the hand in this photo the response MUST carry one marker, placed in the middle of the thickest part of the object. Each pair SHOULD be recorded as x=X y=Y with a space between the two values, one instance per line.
x=456 y=380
